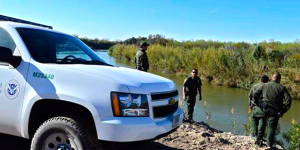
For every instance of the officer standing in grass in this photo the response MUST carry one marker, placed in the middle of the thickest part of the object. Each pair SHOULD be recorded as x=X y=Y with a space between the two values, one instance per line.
x=258 y=117
x=141 y=58
x=192 y=86
x=276 y=101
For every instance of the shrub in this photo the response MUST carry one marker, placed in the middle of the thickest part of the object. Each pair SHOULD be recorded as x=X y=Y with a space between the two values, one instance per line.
x=293 y=136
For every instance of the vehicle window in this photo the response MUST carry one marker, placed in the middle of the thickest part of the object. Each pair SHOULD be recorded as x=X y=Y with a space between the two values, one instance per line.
x=6 y=40
x=69 y=49
x=51 y=47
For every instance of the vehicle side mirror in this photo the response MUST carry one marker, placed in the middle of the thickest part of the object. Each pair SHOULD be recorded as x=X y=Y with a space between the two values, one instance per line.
x=7 y=56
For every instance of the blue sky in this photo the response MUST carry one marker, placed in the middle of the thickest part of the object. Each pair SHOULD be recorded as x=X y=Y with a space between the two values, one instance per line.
x=223 y=20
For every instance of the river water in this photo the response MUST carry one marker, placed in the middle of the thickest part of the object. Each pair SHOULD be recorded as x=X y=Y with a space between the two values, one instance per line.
x=221 y=100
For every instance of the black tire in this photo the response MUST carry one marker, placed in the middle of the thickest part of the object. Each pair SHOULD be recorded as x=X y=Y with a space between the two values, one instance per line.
x=71 y=132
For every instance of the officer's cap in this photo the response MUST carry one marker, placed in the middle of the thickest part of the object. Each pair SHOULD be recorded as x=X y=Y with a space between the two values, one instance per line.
x=144 y=44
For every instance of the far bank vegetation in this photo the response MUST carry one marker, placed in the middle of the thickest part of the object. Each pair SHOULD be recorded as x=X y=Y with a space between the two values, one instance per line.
x=235 y=64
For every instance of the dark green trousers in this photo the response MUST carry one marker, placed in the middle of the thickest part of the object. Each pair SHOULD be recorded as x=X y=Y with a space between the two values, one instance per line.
x=258 y=122
x=272 y=127
x=191 y=101
x=258 y=126
x=272 y=123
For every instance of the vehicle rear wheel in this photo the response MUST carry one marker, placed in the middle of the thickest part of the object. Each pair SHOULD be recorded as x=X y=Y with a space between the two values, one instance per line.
x=65 y=133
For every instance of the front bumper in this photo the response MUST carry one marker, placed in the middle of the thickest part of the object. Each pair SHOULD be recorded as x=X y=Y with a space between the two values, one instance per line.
x=129 y=129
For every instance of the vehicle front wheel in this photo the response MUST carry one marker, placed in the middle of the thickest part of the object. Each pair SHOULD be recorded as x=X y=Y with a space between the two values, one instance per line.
x=65 y=133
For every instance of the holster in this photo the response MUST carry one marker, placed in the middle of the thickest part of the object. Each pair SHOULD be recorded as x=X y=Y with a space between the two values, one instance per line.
x=270 y=110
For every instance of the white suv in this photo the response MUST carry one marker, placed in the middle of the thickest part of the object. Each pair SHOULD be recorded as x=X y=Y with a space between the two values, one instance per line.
x=56 y=91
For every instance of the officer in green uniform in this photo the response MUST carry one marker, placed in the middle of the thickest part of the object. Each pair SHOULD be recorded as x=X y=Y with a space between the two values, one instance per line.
x=276 y=101
x=192 y=86
x=141 y=58
x=258 y=117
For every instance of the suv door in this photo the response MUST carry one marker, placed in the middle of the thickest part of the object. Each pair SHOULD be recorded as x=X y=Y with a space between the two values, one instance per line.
x=12 y=86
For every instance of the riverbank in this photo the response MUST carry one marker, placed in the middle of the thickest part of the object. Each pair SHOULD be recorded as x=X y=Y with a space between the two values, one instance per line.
x=199 y=136
x=234 y=68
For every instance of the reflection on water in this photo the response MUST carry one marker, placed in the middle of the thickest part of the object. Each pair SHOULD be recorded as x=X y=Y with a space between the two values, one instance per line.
x=221 y=99
x=103 y=54
x=78 y=54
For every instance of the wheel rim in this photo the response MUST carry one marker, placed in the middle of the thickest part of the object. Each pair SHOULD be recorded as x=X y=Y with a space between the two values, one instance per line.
x=59 y=141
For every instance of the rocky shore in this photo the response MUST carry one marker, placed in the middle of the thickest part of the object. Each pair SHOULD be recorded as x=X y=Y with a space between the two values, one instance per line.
x=198 y=136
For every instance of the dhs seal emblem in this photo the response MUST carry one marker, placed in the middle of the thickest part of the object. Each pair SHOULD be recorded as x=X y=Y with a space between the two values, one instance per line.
x=12 y=89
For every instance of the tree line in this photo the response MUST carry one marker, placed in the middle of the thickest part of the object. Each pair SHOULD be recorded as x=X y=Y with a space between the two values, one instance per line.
x=278 y=49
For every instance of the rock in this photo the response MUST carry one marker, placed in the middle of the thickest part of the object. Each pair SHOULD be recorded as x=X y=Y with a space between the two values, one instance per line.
x=201 y=140
x=223 y=141
x=206 y=134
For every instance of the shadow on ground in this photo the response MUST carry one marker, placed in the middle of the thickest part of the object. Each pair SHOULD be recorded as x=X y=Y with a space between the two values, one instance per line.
x=8 y=142
x=149 y=145
x=159 y=146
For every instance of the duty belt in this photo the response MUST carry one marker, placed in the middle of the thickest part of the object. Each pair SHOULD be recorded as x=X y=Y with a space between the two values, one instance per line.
x=264 y=105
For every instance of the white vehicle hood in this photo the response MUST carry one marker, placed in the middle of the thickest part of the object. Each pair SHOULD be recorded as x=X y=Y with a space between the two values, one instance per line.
x=137 y=81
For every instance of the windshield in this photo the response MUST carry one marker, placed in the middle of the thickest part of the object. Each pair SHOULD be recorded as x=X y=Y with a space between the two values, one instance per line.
x=50 y=47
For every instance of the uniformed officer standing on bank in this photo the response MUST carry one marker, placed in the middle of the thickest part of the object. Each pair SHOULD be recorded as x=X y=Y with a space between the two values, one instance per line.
x=141 y=58
x=276 y=101
x=258 y=117
x=192 y=86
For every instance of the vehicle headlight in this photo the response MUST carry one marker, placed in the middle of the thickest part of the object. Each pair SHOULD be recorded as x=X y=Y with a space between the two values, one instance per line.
x=130 y=105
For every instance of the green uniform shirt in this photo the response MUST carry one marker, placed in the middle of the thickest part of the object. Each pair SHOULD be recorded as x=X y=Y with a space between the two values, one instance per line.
x=275 y=95
x=141 y=60
x=192 y=84
x=251 y=94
